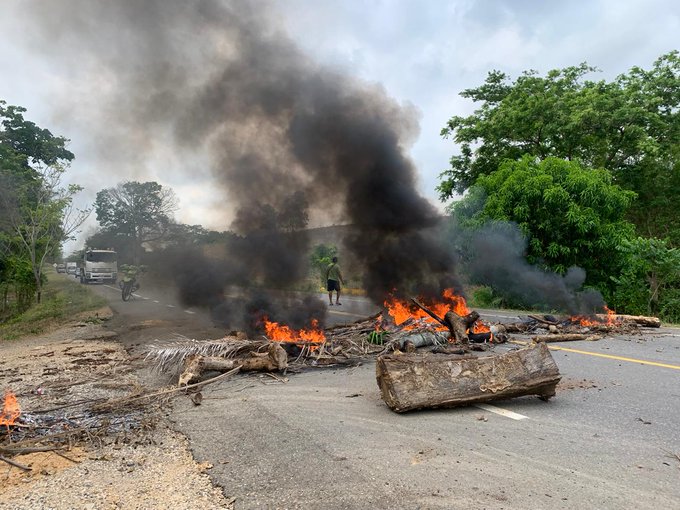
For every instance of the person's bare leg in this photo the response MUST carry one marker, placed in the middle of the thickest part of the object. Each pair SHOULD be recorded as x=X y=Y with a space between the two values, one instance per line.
x=337 y=297
x=330 y=297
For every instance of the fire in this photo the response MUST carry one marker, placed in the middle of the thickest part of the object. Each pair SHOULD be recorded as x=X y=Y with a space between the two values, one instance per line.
x=596 y=320
x=282 y=333
x=10 y=410
x=611 y=316
x=401 y=311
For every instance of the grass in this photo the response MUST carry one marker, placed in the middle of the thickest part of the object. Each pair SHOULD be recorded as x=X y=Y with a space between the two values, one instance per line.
x=62 y=299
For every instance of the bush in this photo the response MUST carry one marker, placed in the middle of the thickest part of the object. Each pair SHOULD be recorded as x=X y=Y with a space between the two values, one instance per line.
x=650 y=281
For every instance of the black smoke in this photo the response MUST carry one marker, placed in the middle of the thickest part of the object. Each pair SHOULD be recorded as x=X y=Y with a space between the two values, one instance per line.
x=496 y=256
x=221 y=80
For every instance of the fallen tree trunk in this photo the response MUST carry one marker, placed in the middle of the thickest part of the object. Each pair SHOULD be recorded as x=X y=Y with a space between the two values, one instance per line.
x=276 y=358
x=565 y=337
x=417 y=381
x=460 y=325
x=648 y=322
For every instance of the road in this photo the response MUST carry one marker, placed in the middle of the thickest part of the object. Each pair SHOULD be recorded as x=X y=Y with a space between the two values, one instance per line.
x=324 y=439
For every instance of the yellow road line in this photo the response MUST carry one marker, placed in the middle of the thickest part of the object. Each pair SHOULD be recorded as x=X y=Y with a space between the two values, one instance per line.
x=608 y=356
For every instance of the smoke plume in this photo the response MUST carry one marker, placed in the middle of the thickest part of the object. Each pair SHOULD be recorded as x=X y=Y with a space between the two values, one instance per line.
x=218 y=81
x=496 y=255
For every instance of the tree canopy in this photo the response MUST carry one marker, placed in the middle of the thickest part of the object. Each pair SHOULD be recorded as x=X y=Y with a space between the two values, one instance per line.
x=141 y=211
x=36 y=210
x=629 y=126
x=572 y=216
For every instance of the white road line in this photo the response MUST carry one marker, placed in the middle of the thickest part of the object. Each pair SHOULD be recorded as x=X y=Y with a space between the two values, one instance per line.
x=170 y=306
x=136 y=295
x=502 y=412
x=109 y=287
x=145 y=298
x=155 y=301
x=189 y=311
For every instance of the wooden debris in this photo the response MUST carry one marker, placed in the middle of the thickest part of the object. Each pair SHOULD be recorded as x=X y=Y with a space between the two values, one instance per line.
x=566 y=337
x=418 y=381
x=14 y=463
x=641 y=320
x=276 y=358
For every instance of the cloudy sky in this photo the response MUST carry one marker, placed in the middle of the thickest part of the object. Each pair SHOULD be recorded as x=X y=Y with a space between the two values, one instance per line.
x=421 y=53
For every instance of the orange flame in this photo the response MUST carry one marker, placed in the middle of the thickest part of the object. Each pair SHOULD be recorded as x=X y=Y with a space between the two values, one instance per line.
x=596 y=320
x=282 y=333
x=10 y=410
x=401 y=311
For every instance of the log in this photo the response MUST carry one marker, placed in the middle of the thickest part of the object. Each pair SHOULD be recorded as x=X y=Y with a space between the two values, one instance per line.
x=418 y=381
x=543 y=320
x=648 y=322
x=459 y=326
x=429 y=312
x=276 y=358
x=565 y=337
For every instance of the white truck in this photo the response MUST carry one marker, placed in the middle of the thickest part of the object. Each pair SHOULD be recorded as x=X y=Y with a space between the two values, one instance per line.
x=99 y=266
x=72 y=268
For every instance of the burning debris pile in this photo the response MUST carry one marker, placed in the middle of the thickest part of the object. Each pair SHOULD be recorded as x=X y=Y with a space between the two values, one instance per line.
x=406 y=337
x=401 y=326
x=416 y=343
x=549 y=328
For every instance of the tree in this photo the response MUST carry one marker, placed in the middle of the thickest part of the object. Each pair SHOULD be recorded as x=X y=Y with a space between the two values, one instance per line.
x=37 y=213
x=572 y=216
x=42 y=216
x=141 y=211
x=630 y=126
x=650 y=281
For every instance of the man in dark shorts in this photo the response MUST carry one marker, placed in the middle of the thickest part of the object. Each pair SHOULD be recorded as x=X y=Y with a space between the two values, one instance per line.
x=334 y=281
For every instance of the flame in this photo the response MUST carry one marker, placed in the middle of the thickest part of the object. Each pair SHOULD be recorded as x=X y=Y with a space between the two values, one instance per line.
x=10 y=410
x=611 y=316
x=401 y=310
x=282 y=333
x=596 y=320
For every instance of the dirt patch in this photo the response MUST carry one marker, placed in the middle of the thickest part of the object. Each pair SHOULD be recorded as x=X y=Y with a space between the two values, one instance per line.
x=136 y=462
x=42 y=464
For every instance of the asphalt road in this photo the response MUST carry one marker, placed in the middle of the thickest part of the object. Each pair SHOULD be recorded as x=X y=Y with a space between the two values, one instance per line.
x=610 y=439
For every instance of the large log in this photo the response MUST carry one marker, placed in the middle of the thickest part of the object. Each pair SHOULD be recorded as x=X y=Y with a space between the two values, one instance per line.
x=418 y=381
x=648 y=322
x=276 y=358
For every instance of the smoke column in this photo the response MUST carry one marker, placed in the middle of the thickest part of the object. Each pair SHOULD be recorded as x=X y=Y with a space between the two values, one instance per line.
x=496 y=258
x=219 y=79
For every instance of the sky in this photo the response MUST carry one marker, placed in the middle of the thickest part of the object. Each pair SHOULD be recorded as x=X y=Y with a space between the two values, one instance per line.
x=422 y=54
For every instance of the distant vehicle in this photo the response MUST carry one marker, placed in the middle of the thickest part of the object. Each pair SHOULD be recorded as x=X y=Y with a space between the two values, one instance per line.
x=99 y=266
x=72 y=268
x=61 y=268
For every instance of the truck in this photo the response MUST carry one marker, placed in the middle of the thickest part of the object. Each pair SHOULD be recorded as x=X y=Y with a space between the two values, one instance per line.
x=99 y=266
x=72 y=268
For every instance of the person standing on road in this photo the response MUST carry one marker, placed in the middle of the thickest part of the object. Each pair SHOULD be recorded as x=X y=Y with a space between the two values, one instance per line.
x=334 y=281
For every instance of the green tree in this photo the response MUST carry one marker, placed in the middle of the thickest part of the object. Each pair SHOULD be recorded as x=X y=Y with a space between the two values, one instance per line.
x=42 y=216
x=36 y=211
x=141 y=211
x=650 y=281
x=572 y=216
x=630 y=126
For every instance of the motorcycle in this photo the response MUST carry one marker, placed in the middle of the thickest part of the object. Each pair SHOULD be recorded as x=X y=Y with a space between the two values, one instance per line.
x=127 y=287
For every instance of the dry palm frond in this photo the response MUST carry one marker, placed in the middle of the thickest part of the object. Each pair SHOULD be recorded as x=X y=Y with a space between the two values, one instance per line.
x=171 y=356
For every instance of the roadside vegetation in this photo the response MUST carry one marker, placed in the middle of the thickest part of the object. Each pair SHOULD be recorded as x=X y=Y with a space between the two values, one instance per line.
x=63 y=299
x=588 y=171
x=36 y=209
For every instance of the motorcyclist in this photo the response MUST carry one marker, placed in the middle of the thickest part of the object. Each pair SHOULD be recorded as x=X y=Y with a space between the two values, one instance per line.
x=130 y=274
